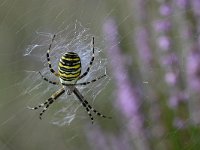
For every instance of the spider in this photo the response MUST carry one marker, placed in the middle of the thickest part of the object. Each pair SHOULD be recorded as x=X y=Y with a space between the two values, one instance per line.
x=69 y=72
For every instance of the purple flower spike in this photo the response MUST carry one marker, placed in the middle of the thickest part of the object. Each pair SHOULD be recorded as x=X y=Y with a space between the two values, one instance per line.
x=196 y=6
x=193 y=69
x=142 y=44
x=127 y=100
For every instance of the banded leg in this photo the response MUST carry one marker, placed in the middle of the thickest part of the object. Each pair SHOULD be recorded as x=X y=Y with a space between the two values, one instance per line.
x=94 y=80
x=95 y=111
x=48 y=58
x=87 y=105
x=48 y=102
x=52 y=82
x=91 y=62
x=40 y=105
x=45 y=108
x=88 y=111
x=85 y=83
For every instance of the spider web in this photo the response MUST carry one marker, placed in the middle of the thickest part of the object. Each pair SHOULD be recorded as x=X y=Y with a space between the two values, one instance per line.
x=169 y=112
x=74 y=38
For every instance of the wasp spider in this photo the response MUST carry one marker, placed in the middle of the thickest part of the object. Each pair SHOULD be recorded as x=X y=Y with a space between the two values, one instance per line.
x=69 y=72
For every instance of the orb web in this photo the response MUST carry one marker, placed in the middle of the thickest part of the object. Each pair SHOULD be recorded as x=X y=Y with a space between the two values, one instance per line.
x=144 y=43
x=75 y=38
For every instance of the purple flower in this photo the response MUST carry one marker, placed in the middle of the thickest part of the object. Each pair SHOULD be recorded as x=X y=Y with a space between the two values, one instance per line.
x=164 y=43
x=179 y=123
x=165 y=10
x=193 y=70
x=99 y=140
x=170 y=78
x=196 y=7
x=162 y=25
x=182 y=3
x=177 y=98
x=127 y=99
x=170 y=60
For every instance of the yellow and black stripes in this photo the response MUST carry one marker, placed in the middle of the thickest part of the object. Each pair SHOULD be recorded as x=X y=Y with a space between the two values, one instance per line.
x=69 y=67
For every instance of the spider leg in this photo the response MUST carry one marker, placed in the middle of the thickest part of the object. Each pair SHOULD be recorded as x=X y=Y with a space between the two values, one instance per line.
x=88 y=111
x=91 y=61
x=86 y=104
x=45 y=108
x=48 y=102
x=52 y=82
x=40 y=105
x=48 y=58
x=94 y=80
x=51 y=100
x=85 y=83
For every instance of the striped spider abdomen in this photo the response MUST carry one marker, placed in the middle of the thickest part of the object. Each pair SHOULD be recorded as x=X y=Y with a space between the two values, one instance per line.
x=69 y=68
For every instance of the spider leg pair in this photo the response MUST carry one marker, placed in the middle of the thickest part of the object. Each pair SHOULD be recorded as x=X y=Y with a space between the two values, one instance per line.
x=69 y=73
x=48 y=102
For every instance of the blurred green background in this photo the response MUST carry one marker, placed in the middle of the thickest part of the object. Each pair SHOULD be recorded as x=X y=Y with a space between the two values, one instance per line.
x=165 y=125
